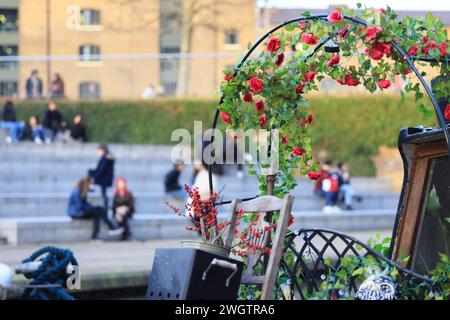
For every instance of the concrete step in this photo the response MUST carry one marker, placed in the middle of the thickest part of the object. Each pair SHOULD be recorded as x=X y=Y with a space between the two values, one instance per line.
x=146 y=227
x=55 y=204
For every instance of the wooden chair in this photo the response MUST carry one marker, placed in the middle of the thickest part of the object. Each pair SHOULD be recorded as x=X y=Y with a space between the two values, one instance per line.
x=264 y=206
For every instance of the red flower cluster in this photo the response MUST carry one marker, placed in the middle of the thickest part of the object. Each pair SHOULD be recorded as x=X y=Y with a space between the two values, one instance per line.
x=299 y=88
x=273 y=44
x=309 y=76
x=228 y=76
x=372 y=33
x=304 y=122
x=262 y=120
x=349 y=80
x=378 y=50
x=334 y=60
x=284 y=139
x=335 y=17
x=226 y=117
x=247 y=97
x=255 y=84
x=296 y=151
x=315 y=175
x=384 y=84
x=309 y=39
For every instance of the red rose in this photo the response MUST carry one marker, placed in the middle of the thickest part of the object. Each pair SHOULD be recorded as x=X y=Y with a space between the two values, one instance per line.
x=309 y=38
x=350 y=81
x=407 y=71
x=228 y=76
x=377 y=50
x=226 y=117
x=280 y=59
x=384 y=84
x=256 y=84
x=273 y=44
x=248 y=97
x=447 y=112
x=340 y=80
x=429 y=44
x=343 y=32
x=309 y=76
x=296 y=151
x=299 y=88
x=262 y=120
x=372 y=33
x=284 y=139
x=310 y=118
x=314 y=175
x=259 y=106
x=413 y=50
x=443 y=48
x=335 y=17
x=334 y=60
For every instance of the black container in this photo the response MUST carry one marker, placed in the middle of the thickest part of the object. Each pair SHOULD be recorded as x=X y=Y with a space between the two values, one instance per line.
x=191 y=274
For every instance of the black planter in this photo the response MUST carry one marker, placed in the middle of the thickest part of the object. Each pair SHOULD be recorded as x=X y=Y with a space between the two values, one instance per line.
x=191 y=274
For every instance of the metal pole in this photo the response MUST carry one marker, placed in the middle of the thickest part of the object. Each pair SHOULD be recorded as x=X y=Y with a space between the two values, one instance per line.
x=48 y=45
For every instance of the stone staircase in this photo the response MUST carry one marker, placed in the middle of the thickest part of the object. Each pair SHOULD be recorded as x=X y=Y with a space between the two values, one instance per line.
x=35 y=182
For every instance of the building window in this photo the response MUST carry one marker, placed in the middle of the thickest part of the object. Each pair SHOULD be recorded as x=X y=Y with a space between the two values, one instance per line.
x=6 y=51
x=90 y=17
x=8 y=20
x=89 y=90
x=89 y=53
x=8 y=88
x=231 y=37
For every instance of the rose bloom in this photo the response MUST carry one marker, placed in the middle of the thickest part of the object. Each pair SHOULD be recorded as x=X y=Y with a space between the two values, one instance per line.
x=443 y=48
x=228 y=76
x=372 y=33
x=334 y=60
x=296 y=151
x=262 y=120
x=350 y=81
x=248 y=97
x=309 y=38
x=310 y=118
x=225 y=117
x=334 y=17
x=259 y=106
x=299 y=88
x=273 y=44
x=447 y=112
x=384 y=84
x=309 y=76
x=377 y=50
x=280 y=59
x=284 y=139
x=255 y=84
x=314 y=175
x=413 y=50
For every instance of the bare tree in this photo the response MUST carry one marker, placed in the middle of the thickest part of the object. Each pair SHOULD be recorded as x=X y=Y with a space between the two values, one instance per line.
x=191 y=16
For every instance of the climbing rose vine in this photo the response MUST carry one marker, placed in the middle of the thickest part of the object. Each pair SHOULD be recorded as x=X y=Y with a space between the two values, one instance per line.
x=268 y=90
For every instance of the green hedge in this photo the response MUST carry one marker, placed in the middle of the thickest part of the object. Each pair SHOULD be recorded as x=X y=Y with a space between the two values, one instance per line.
x=350 y=128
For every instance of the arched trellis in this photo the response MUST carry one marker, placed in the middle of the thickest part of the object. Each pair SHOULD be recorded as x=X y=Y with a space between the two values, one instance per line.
x=323 y=17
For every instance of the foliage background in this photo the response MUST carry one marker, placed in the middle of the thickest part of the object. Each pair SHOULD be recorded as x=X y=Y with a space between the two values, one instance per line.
x=349 y=127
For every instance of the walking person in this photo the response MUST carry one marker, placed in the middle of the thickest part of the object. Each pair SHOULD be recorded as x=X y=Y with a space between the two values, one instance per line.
x=10 y=123
x=33 y=86
x=53 y=120
x=79 y=208
x=123 y=206
x=103 y=175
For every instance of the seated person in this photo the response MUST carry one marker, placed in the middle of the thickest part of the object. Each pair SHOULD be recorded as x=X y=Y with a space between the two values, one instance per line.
x=10 y=123
x=78 y=129
x=53 y=121
x=171 y=184
x=79 y=208
x=35 y=132
x=123 y=206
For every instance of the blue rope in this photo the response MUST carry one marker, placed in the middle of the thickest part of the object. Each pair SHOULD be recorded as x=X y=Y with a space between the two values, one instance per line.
x=53 y=270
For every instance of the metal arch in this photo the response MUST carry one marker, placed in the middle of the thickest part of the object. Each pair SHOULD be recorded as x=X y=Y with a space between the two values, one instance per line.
x=323 y=16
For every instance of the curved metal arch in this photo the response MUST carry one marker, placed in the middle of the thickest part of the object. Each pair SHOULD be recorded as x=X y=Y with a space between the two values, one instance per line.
x=323 y=16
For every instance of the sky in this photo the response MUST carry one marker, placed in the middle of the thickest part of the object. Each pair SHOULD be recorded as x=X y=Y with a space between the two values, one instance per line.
x=420 y=5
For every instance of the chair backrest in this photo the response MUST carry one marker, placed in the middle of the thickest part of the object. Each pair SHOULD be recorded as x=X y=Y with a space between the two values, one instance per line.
x=264 y=207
